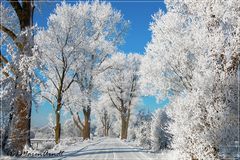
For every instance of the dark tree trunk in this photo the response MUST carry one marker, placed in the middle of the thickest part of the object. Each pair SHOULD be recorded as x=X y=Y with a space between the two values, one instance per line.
x=57 y=114
x=86 y=129
x=125 y=121
x=106 y=125
x=124 y=128
x=57 y=128
x=29 y=126
x=107 y=132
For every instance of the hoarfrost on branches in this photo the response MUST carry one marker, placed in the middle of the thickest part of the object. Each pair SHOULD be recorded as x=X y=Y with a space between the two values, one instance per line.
x=122 y=87
x=78 y=40
x=193 y=59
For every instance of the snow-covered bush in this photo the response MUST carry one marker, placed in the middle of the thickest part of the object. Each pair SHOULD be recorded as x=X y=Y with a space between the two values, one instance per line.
x=143 y=135
x=44 y=132
x=160 y=137
x=44 y=146
x=140 y=129
x=150 y=130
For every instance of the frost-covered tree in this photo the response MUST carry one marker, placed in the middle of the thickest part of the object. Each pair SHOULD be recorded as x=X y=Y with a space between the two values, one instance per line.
x=60 y=46
x=164 y=67
x=207 y=117
x=150 y=130
x=105 y=115
x=105 y=121
x=160 y=136
x=97 y=31
x=122 y=86
x=17 y=65
x=194 y=57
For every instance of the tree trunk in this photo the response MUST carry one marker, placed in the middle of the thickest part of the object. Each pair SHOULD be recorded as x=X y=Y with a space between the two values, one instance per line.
x=107 y=131
x=124 y=129
x=125 y=116
x=86 y=129
x=57 y=113
x=29 y=126
x=57 y=127
x=104 y=131
x=7 y=130
x=106 y=128
x=16 y=136
x=18 y=132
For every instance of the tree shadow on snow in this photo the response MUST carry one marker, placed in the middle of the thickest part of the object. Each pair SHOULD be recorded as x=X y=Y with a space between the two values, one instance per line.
x=102 y=151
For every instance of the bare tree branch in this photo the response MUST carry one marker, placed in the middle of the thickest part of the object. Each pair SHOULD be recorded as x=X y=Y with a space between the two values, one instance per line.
x=17 y=7
x=12 y=35
x=70 y=82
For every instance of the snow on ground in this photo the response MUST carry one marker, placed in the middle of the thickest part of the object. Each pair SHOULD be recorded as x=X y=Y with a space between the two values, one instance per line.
x=163 y=155
x=104 y=149
x=107 y=149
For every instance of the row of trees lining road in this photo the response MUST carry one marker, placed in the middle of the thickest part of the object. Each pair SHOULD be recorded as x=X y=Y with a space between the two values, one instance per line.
x=114 y=91
x=193 y=59
x=70 y=56
x=77 y=42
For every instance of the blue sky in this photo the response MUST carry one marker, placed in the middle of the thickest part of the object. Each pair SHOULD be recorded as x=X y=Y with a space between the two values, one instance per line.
x=139 y=13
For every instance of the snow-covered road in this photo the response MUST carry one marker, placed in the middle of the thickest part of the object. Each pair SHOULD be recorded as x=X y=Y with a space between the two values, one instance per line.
x=106 y=149
x=100 y=149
